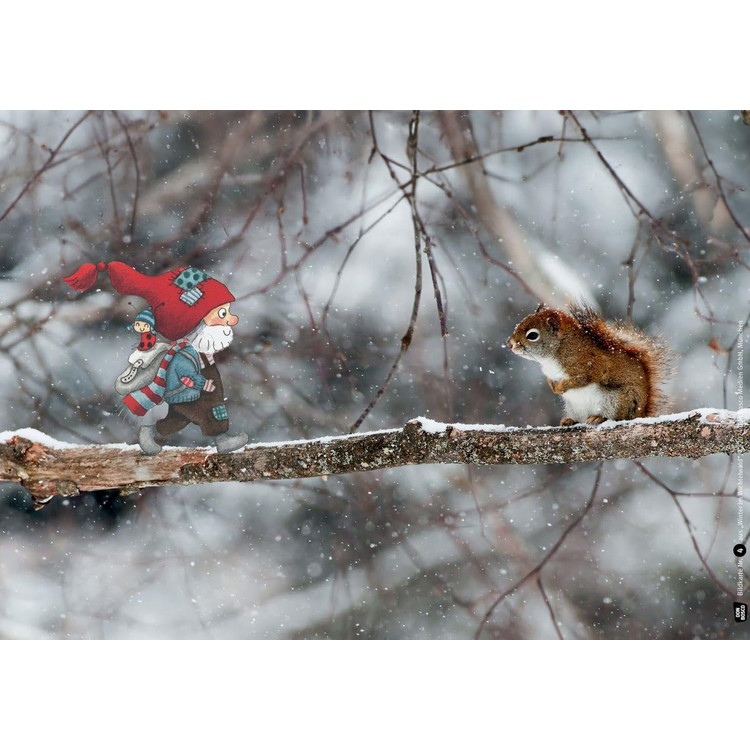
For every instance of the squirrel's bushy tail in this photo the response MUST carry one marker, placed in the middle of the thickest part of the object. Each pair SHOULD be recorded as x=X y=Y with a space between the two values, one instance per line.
x=652 y=352
x=657 y=360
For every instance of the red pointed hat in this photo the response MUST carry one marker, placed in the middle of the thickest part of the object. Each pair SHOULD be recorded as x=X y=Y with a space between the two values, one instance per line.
x=180 y=299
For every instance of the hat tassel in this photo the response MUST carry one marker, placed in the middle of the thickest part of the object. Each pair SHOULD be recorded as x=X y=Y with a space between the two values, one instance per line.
x=85 y=277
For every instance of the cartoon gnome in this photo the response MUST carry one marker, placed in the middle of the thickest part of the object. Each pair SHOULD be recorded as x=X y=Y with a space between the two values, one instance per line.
x=191 y=310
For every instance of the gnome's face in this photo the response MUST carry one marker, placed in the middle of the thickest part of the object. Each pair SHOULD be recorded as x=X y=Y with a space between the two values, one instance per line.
x=216 y=333
x=221 y=316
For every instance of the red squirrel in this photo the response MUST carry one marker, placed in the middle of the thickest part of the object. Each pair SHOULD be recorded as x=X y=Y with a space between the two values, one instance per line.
x=602 y=370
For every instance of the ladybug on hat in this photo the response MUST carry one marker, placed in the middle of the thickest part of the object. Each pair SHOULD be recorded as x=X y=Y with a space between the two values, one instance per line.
x=144 y=324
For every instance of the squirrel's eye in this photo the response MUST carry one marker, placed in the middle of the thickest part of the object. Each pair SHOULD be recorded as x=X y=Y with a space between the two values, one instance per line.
x=532 y=334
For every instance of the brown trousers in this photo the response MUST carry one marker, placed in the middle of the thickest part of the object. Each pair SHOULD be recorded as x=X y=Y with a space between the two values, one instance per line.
x=202 y=412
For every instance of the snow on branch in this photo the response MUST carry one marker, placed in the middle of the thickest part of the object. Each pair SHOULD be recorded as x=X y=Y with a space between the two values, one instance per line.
x=46 y=467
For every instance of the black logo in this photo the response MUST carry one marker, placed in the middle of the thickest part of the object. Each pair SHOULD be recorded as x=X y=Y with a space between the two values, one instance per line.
x=739 y=550
x=740 y=612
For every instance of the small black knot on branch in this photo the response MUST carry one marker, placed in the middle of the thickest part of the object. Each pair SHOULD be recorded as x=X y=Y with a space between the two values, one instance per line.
x=416 y=439
x=412 y=428
x=21 y=447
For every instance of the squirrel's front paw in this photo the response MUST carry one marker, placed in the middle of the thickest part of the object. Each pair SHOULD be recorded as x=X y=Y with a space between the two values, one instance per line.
x=556 y=385
x=596 y=419
x=567 y=421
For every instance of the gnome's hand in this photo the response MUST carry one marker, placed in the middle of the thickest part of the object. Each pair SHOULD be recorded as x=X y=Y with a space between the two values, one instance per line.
x=209 y=386
x=189 y=382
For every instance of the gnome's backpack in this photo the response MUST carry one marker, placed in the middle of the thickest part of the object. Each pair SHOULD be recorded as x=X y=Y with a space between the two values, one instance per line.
x=143 y=385
x=142 y=369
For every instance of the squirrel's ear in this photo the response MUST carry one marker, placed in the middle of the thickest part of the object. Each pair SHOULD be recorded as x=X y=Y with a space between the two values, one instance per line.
x=553 y=322
x=539 y=307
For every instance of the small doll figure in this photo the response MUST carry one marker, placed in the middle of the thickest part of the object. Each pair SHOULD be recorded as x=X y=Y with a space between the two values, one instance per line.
x=144 y=324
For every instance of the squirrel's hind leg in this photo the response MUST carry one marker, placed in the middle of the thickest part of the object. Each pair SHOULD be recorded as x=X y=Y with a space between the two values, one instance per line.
x=631 y=404
x=595 y=419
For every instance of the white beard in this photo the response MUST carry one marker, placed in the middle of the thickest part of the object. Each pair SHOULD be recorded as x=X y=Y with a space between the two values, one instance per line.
x=211 y=339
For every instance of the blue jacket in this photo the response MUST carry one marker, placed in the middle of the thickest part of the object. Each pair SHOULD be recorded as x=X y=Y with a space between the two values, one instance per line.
x=185 y=364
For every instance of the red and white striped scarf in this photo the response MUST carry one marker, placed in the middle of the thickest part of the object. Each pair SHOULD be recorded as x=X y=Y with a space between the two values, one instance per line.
x=140 y=401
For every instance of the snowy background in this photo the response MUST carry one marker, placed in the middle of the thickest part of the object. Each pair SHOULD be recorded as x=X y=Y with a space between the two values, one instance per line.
x=304 y=216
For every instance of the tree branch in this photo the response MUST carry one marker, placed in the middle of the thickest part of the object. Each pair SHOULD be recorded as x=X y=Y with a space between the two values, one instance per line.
x=46 y=467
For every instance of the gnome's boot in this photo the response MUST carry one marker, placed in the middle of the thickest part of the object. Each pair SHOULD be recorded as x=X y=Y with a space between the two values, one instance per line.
x=226 y=443
x=147 y=440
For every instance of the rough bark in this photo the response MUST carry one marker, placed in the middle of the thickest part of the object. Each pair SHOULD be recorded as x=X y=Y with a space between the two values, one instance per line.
x=47 y=468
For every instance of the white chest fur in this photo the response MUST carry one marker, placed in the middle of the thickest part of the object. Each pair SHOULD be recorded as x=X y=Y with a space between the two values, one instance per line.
x=551 y=368
x=581 y=403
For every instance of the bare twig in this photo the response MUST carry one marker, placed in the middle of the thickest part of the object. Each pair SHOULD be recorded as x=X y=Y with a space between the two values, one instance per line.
x=538 y=567
x=549 y=608
x=419 y=238
x=131 y=147
x=719 y=186
x=50 y=159
x=686 y=521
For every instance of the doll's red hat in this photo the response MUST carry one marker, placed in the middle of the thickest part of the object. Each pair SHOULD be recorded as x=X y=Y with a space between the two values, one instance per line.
x=180 y=299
